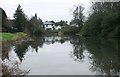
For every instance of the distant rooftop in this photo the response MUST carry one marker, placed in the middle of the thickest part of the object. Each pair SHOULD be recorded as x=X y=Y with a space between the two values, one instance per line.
x=48 y=23
x=3 y=12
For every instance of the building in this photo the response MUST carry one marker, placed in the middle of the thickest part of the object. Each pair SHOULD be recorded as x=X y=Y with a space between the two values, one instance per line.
x=48 y=25
x=58 y=27
x=3 y=20
x=0 y=19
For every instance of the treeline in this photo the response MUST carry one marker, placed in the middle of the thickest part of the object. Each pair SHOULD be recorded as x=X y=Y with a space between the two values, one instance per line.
x=21 y=23
x=104 y=20
x=32 y=26
x=76 y=23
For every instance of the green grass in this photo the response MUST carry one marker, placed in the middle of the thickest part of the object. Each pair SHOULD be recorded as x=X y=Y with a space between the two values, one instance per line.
x=10 y=36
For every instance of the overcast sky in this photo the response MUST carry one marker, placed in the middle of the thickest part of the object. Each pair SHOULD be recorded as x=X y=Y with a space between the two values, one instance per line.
x=46 y=9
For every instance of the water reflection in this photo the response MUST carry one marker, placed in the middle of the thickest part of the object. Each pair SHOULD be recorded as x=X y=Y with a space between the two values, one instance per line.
x=10 y=63
x=104 y=58
x=103 y=53
x=78 y=48
x=22 y=47
x=6 y=47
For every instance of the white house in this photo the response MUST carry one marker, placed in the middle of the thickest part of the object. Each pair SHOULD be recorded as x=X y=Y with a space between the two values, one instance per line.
x=48 y=25
x=58 y=27
x=75 y=25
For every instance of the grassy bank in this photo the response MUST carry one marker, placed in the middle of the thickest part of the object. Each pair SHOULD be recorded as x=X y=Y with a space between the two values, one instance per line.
x=12 y=36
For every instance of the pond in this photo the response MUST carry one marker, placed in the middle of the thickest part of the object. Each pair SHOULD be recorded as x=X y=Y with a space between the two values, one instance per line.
x=65 y=55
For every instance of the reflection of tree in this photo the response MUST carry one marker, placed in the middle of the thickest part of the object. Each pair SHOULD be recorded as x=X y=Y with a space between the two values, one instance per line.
x=6 y=47
x=104 y=55
x=104 y=58
x=21 y=49
x=38 y=42
x=62 y=41
x=9 y=71
x=78 y=48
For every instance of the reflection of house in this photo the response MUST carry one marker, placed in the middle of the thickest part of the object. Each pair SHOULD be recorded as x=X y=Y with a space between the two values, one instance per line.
x=51 y=40
x=48 y=25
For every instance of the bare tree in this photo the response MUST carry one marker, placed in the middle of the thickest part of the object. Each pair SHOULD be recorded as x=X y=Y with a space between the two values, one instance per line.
x=78 y=16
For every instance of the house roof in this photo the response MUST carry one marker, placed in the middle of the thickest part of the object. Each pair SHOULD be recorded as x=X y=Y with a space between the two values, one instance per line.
x=48 y=23
x=3 y=12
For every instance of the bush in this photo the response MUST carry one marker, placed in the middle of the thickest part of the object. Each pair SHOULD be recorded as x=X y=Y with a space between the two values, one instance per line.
x=70 y=30
x=93 y=25
x=109 y=24
x=102 y=25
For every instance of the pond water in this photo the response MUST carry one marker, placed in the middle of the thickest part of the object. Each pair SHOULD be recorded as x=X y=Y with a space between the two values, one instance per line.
x=65 y=55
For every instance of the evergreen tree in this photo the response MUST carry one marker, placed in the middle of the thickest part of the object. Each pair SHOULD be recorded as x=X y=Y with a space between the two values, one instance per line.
x=20 y=19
